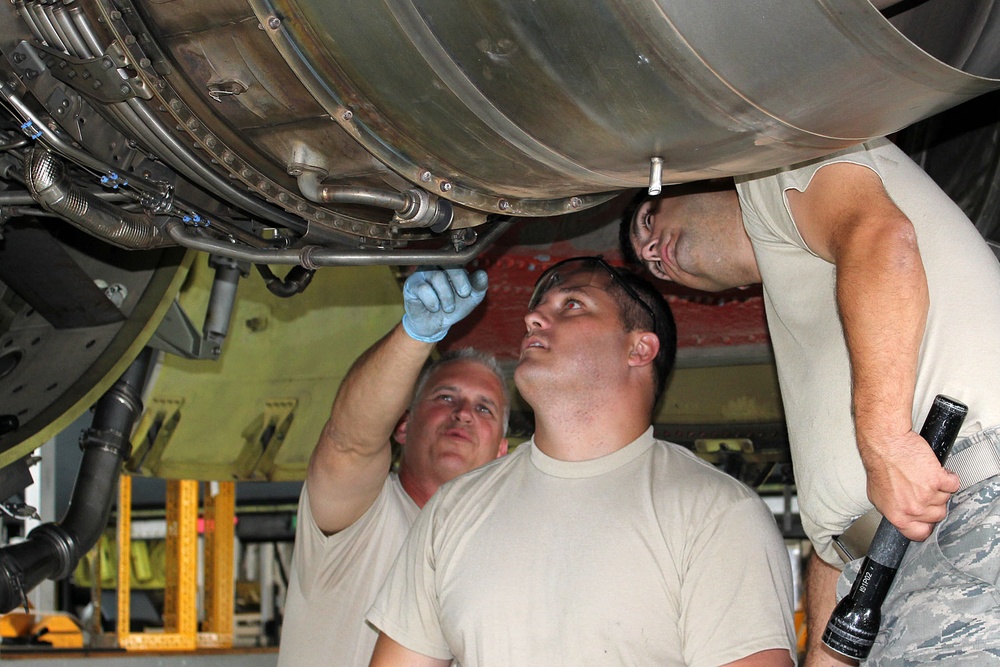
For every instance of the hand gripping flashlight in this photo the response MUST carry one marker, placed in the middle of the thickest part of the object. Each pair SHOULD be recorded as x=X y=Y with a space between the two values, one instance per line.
x=856 y=619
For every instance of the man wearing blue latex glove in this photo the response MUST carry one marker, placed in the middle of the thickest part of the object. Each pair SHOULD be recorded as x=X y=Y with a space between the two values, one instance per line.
x=436 y=299
x=449 y=417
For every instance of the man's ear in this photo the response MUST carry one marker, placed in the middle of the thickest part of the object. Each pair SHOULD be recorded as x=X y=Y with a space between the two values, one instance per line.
x=645 y=347
x=400 y=433
x=503 y=448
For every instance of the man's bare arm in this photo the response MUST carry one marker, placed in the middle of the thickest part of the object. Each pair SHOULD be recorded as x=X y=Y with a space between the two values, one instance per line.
x=389 y=653
x=846 y=217
x=351 y=460
x=821 y=598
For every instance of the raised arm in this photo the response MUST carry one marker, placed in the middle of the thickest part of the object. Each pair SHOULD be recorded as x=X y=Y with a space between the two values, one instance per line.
x=351 y=460
x=846 y=217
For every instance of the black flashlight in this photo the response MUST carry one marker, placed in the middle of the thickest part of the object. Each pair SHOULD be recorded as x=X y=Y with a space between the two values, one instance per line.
x=855 y=622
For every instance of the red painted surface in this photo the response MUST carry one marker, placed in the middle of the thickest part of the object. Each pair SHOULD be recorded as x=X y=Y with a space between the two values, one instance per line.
x=731 y=318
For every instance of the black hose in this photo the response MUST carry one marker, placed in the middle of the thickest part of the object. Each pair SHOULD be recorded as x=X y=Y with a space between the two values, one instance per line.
x=52 y=550
x=295 y=282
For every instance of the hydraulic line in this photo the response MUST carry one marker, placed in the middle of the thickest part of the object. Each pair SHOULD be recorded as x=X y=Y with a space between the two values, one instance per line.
x=312 y=257
x=49 y=185
x=52 y=550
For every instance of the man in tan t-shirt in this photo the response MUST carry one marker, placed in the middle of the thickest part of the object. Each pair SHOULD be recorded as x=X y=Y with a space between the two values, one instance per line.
x=595 y=544
x=879 y=294
x=353 y=513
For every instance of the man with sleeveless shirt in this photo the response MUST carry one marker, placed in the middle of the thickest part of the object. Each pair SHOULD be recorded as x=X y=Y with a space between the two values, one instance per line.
x=879 y=294
x=353 y=512
x=594 y=544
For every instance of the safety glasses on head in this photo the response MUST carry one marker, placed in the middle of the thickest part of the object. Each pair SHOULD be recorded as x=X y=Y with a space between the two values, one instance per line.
x=602 y=275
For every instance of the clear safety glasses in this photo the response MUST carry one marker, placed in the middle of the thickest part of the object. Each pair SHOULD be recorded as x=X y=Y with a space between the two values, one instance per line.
x=602 y=275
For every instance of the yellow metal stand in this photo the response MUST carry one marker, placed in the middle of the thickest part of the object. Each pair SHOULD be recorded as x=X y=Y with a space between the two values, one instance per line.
x=220 y=510
x=180 y=613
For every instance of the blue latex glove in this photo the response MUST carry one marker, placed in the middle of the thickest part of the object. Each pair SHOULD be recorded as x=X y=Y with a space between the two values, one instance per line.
x=434 y=299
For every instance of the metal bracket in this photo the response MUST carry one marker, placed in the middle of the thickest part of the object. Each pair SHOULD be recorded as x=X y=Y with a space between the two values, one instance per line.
x=153 y=433
x=264 y=438
x=178 y=335
x=99 y=78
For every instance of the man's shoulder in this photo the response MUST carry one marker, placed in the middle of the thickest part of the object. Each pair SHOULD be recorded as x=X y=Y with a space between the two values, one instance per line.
x=488 y=474
x=801 y=172
x=496 y=468
x=687 y=470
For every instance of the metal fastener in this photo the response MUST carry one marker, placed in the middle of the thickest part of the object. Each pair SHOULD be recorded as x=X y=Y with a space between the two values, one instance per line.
x=655 y=175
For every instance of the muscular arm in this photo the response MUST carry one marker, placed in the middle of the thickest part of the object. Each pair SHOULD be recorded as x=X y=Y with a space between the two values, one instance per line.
x=389 y=653
x=846 y=217
x=351 y=460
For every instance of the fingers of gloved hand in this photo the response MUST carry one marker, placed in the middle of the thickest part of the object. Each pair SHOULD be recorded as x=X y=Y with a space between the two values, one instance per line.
x=434 y=299
x=476 y=284
x=460 y=282
x=454 y=291
x=419 y=291
x=448 y=286
x=479 y=281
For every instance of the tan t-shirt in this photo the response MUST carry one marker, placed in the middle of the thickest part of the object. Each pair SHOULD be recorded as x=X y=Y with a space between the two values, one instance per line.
x=648 y=556
x=958 y=356
x=334 y=580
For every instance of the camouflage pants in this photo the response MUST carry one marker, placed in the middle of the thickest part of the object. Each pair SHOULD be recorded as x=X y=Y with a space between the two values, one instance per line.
x=944 y=605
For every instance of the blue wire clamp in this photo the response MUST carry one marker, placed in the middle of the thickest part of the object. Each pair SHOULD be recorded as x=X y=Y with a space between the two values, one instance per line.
x=196 y=220
x=113 y=181
x=31 y=130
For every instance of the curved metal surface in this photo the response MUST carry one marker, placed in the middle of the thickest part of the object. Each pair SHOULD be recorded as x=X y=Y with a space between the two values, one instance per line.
x=184 y=110
x=62 y=371
x=545 y=100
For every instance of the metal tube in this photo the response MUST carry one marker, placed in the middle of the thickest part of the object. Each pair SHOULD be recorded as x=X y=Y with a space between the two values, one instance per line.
x=309 y=186
x=221 y=300
x=314 y=256
x=63 y=19
x=58 y=145
x=49 y=185
x=45 y=26
x=25 y=199
x=29 y=20
x=57 y=28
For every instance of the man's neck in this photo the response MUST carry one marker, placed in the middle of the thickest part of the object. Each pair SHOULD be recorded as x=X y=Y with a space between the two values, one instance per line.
x=419 y=493
x=568 y=437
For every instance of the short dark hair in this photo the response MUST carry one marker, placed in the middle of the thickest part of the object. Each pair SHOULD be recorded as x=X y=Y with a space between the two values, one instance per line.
x=625 y=229
x=635 y=318
x=629 y=254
